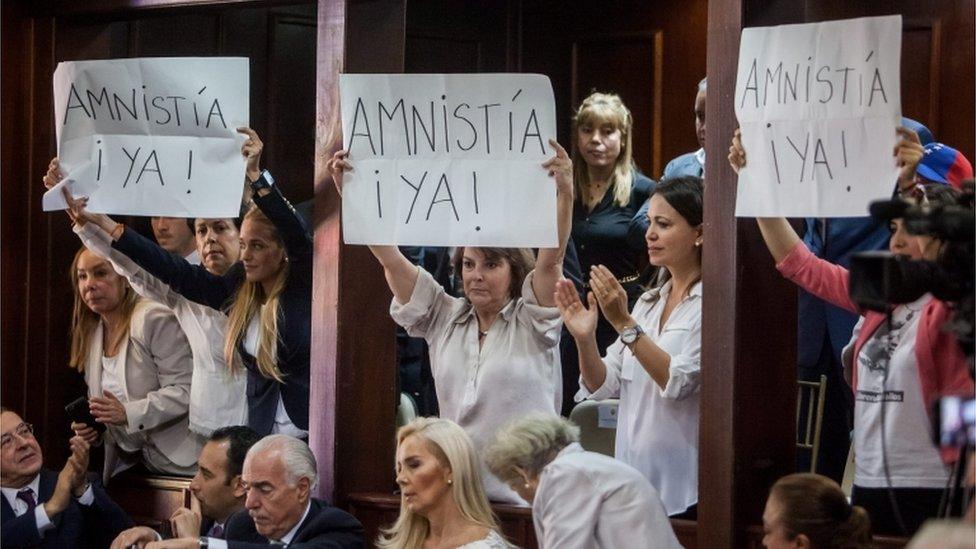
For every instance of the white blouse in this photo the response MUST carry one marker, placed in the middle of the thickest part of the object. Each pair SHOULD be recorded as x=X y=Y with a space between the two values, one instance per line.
x=515 y=372
x=493 y=540
x=587 y=500
x=217 y=394
x=657 y=430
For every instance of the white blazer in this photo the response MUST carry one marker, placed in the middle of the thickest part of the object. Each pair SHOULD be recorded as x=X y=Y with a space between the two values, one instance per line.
x=156 y=370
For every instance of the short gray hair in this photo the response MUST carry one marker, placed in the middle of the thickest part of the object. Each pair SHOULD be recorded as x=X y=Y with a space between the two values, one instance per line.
x=530 y=444
x=703 y=84
x=296 y=456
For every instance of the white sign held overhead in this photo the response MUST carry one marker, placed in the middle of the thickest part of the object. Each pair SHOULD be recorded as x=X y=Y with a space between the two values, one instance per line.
x=818 y=105
x=152 y=136
x=448 y=159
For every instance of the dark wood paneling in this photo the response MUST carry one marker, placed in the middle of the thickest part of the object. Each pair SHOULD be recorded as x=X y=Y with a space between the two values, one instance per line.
x=448 y=36
x=549 y=32
x=38 y=247
x=596 y=60
x=748 y=348
x=353 y=389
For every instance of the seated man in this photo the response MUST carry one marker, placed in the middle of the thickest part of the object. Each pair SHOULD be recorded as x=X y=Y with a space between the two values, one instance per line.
x=217 y=486
x=279 y=475
x=44 y=508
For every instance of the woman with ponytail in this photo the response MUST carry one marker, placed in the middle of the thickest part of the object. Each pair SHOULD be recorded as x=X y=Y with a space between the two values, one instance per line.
x=811 y=511
x=266 y=296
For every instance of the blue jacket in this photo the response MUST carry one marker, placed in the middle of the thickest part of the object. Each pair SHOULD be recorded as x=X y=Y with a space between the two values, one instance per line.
x=836 y=240
x=294 y=312
x=82 y=526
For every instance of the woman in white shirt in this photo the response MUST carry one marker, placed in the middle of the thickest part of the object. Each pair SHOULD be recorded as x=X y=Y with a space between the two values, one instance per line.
x=442 y=500
x=494 y=353
x=654 y=366
x=580 y=499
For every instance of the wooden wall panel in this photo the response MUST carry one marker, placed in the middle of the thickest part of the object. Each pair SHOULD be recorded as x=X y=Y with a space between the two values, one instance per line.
x=38 y=247
x=595 y=60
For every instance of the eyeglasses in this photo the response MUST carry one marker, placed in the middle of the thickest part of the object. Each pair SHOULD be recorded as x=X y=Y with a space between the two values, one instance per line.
x=23 y=431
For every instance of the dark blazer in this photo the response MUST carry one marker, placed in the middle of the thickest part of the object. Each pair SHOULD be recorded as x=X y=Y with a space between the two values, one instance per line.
x=294 y=313
x=324 y=527
x=78 y=525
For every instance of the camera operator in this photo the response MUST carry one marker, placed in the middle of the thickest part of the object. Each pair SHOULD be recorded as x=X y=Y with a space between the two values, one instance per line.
x=896 y=368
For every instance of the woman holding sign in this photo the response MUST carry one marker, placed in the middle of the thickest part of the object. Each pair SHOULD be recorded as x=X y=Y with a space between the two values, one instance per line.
x=897 y=366
x=494 y=353
x=655 y=364
x=266 y=297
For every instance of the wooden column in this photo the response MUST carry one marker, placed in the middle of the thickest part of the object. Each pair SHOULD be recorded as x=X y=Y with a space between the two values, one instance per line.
x=353 y=385
x=746 y=436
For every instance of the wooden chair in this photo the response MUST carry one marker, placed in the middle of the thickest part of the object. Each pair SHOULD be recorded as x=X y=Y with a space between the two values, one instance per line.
x=810 y=399
x=597 y=421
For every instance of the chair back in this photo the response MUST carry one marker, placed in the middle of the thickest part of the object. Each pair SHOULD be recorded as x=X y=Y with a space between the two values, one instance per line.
x=597 y=421
x=406 y=410
x=809 y=416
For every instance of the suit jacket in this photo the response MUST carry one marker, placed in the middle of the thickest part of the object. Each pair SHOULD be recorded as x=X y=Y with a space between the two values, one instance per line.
x=324 y=527
x=157 y=368
x=835 y=240
x=78 y=525
x=294 y=313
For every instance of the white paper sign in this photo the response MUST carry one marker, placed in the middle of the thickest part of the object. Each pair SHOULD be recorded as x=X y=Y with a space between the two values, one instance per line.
x=152 y=136
x=448 y=160
x=818 y=105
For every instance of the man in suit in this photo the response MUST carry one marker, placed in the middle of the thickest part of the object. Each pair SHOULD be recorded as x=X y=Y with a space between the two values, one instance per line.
x=44 y=508
x=217 y=486
x=279 y=476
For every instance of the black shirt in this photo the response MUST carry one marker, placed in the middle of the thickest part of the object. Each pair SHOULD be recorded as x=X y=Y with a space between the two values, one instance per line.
x=610 y=235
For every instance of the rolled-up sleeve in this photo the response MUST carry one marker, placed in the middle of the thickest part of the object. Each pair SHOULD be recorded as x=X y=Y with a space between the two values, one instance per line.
x=546 y=322
x=684 y=372
x=425 y=308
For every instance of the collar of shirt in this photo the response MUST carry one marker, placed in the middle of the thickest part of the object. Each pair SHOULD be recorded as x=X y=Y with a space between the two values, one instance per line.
x=286 y=539
x=507 y=311
x=662 y=292
x=11 y=494
x=700 y=156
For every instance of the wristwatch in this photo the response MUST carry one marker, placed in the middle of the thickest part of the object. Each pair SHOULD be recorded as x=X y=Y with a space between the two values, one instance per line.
x=630 y=335
x=204 y=542
x=263 y=182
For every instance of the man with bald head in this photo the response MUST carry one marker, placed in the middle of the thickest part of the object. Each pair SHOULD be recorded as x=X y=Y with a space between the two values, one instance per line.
x=44 y=508
x=279 y=476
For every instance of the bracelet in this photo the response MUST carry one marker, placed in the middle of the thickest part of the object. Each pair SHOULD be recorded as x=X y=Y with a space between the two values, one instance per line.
x=116 y=233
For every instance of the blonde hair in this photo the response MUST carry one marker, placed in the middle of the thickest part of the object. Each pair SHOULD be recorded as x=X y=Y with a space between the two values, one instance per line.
x=606 y=108
x=84 y=321
x=247 y=303
x=454 y=450
x=529 y=444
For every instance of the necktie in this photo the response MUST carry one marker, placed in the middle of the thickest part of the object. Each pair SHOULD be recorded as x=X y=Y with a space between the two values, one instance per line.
x=27 y=496
x=216 y=531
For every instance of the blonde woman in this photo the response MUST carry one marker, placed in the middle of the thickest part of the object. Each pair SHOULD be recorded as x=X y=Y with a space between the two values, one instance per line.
x=266 y=296
x=442 y=503
x=609 y=192
x=579 y=499
x=137 y=364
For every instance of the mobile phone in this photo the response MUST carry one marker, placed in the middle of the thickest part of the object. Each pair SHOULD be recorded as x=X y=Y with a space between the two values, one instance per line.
x=78 y=412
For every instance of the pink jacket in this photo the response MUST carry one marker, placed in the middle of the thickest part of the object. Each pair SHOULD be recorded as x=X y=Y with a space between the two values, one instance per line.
x=941 y=364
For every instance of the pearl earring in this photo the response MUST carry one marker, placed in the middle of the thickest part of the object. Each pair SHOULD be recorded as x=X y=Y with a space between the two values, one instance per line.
x=450 y=481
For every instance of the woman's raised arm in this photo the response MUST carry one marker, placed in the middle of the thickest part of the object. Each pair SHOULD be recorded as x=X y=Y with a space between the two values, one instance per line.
x=549 y=264
x=401 y=275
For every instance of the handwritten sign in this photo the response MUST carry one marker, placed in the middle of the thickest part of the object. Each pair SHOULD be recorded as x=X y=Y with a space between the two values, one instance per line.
x=152 y=136
x=818 y=105
x=448 y=160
